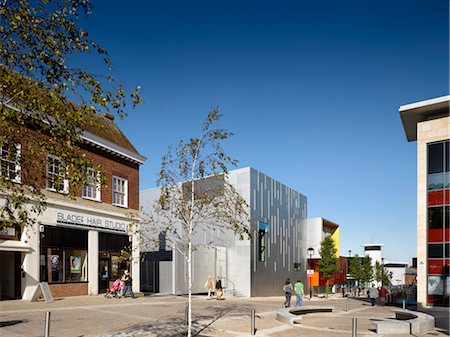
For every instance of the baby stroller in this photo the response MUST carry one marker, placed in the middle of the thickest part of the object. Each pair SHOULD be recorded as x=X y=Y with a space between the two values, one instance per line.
x=114 y=290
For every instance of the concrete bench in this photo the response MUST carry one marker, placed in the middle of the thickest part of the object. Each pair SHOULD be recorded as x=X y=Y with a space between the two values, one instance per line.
x=420 y=322
x=406 y=321
x=293 y=315
x=392 y=327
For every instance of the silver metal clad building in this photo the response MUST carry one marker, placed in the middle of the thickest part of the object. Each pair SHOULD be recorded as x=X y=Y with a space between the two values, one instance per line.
x=257 y=268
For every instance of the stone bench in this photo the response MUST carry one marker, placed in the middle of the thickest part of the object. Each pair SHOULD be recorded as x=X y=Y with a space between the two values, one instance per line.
x=392 y=327
x=420 y=322
x=293 y=315
x=406 y=321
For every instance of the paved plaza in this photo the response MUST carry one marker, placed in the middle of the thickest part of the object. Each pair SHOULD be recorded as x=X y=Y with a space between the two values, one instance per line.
x=96 y=316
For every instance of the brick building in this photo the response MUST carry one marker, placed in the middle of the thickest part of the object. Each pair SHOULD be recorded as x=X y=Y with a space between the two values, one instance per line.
x=77 y=246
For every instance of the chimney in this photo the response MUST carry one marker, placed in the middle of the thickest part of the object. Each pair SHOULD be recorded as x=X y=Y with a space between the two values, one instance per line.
x=108 y=116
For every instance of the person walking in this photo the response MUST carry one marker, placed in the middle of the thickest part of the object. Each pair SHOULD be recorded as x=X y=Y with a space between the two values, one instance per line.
x=127 y=281
x=298 y=286
x=373 y=294
x=287 y=288
x=209 y=284
x=218 y=288
x=382 y=293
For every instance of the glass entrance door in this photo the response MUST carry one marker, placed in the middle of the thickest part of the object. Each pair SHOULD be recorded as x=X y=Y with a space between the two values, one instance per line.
x=104 y=272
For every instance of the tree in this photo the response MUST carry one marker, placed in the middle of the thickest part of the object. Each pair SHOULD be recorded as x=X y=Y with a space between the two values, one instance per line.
x=328 y=263
x=381 y=274
x=46 y=98
x=196 y=196
x=355 y=269
x=367 y=270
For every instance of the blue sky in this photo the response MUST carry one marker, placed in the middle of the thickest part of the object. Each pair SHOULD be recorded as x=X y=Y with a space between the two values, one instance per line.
x=310 y=88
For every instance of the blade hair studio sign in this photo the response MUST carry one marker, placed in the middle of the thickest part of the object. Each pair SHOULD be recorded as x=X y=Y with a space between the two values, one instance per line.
x=84 y=220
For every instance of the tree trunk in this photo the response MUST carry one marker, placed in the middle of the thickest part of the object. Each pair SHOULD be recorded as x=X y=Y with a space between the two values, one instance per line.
x=190 y=287
x=326 y=290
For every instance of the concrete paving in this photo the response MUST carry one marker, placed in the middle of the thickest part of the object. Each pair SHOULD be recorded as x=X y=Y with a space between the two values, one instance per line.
x=163 y=316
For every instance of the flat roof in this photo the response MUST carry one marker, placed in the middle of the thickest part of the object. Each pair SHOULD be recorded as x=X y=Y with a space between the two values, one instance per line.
x=417 y=112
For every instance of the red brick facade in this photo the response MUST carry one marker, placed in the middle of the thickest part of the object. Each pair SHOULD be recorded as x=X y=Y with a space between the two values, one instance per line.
x=69 y=289
x=110 y=164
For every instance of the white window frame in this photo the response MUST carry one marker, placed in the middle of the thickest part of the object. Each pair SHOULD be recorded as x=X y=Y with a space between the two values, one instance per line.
x=16 y=163
x=115 y=191
x=95 y=187
x=65 y=189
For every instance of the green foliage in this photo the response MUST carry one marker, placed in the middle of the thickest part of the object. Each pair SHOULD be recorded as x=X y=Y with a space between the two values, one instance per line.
x=355 y=268
x=367 y=270
x=381 y=274
x=45 y=98
x=328 y=263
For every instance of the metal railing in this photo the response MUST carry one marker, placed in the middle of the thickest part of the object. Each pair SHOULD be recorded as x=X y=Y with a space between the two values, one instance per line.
x=232 y=283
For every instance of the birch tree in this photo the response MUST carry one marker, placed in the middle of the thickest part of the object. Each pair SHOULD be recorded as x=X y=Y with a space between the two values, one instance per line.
x=196 y=196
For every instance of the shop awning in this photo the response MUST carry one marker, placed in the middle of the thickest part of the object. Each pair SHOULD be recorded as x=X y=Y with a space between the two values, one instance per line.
x=14 y=246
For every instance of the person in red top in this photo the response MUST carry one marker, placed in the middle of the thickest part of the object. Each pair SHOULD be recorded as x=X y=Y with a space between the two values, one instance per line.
x=382 y=294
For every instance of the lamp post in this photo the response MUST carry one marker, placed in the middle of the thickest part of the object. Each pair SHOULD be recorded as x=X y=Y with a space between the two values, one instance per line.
x=310 y=253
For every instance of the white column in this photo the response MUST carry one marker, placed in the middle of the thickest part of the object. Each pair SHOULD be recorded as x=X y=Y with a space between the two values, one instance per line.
x=136 y=263
x=30 y=265
x=93 y=262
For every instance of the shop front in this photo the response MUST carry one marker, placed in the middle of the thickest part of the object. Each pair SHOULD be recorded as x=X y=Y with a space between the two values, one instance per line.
x=76 y=253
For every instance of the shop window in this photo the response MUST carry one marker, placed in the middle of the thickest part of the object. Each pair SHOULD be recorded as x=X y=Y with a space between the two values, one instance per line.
x=435 y=158
x=91 y=190
x=52 y=265
x=120 y=192
x=76 y=265
x=56 y=173
x=435 y=285
x=9 y=161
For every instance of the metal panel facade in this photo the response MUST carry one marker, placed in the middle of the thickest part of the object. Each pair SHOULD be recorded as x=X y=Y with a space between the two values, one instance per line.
x=284 y=211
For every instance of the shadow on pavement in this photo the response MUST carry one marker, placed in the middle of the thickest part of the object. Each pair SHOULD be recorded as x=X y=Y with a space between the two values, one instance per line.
x=14 y=322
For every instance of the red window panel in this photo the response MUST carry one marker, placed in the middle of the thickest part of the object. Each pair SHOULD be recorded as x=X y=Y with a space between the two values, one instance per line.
x=435 y=267
x=447 y=234
x=436 y=198
x=435 y=235
x=447 y=197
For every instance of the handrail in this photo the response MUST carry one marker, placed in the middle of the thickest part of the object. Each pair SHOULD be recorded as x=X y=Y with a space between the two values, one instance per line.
x=228 y=280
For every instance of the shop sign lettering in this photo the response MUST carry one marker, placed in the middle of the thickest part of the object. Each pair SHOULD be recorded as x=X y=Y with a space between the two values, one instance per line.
x=90 y=221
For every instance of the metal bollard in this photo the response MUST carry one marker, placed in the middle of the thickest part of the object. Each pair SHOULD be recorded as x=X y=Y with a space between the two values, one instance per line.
x=346 y=304
x=186 y=313
x=252 y=323
x=47 y=324
x=354 y=327
x=404 y=304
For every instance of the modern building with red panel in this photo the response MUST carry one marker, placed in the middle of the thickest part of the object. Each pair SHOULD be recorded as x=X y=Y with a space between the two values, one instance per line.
x=428 y=123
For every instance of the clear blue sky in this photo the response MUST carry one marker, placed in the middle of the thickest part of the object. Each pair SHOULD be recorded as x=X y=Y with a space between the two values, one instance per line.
x=311 y=89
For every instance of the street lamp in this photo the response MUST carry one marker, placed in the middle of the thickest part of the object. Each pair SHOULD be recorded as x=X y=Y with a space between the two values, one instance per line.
x=310 y=253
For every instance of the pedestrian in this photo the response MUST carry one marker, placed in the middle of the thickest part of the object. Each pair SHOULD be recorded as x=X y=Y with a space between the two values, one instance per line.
x=298 y=286
x=218 y=288
x=373 y=294
x=382 y=293
x=209 y=284
x=287 y=288
x=127 y=280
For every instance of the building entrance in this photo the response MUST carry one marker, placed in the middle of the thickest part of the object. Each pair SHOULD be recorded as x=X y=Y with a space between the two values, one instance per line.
x=10 y=278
